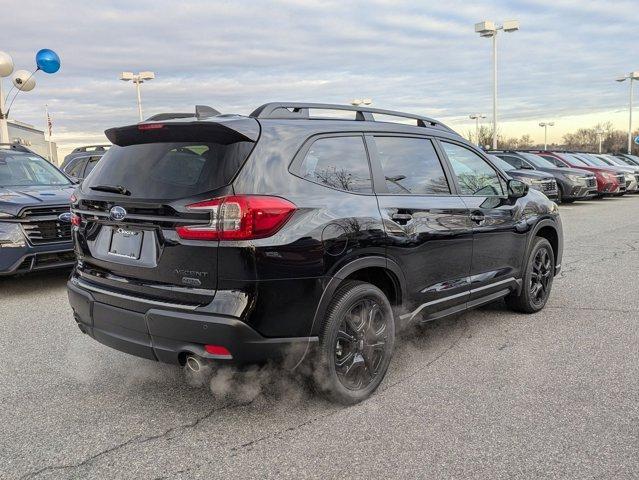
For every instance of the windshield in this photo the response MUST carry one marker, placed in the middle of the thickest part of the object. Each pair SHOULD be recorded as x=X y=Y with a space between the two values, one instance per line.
x=615 y=161
x=24 y=170
x=167 y=170
x=595 y=160
x=501 y=164
x=537 y=161
x=576 y=159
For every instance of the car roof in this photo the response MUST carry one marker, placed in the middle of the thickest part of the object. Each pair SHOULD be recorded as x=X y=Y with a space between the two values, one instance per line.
x=298 y=114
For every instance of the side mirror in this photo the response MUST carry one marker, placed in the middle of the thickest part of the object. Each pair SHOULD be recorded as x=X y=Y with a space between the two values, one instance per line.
x=517 y=189
x=525 y=166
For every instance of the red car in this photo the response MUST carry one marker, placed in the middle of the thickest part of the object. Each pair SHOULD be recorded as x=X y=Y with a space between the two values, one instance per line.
x=609 y=180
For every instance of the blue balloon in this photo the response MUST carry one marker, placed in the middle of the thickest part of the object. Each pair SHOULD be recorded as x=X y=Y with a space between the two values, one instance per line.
x=48 y=61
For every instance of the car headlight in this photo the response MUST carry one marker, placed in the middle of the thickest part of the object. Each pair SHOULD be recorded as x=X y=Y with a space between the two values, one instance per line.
x=629 y=177
x=609 y=176
x=576 y=178
x=11 y=235
x=527 y=181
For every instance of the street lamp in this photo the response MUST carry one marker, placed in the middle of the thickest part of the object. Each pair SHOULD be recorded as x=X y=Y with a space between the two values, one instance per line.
x=476 y=117
x=600 y=134
x=631 y=76
x=361 y=101
x=546 y=125
x=137 y=79
x=489 y=29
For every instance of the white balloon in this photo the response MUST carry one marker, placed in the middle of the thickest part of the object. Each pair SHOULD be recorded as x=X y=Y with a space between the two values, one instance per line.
x=6 y=64
x=24 y=80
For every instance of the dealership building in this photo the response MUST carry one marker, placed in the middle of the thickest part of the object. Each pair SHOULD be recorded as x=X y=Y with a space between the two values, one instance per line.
x=32 y=138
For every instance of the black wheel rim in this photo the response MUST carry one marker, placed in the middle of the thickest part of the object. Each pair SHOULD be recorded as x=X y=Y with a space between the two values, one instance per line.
x=361 y=345
x=541 y=277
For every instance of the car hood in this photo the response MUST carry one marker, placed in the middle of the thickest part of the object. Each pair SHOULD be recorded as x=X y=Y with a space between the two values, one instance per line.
x=14 y=199
x=525 y=173
x=568 y=171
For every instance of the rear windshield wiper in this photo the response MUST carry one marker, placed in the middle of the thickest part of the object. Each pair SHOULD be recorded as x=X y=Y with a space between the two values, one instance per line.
x=111 y=189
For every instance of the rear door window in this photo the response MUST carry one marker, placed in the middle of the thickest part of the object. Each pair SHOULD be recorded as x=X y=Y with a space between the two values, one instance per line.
x=169 y=170
x=411 y=166
x=338 y=162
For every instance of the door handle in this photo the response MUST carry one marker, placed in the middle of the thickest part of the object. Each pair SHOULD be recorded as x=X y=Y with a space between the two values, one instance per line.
x=402 y=217
x=477 y=217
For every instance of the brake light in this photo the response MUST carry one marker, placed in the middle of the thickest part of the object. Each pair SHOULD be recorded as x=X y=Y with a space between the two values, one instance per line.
x=76 y=220
x=150 y=126
x=239 y=217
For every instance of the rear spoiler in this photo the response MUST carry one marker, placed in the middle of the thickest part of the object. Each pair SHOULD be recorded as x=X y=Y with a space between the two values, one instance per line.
x=223 y=129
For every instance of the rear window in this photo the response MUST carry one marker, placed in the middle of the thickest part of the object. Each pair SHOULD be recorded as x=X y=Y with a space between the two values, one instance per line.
x=169 y=170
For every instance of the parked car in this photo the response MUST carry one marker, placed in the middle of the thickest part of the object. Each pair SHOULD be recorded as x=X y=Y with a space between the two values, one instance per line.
x=597 y=160
x=79 y=167
x=85 y=151
x=609 y=181
x=35 y=228
x=544 y=182
x=573 y=184
x=632 y=172
x=238 y=239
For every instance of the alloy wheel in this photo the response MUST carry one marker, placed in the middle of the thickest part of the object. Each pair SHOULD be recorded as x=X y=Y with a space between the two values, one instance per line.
x=541 y=276
x=361 y=344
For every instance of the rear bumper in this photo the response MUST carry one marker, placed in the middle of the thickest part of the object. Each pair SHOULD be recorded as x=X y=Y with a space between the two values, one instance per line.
x=17 y=260
x=169 y=335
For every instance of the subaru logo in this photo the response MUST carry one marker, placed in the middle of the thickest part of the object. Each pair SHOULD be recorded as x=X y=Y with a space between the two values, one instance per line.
x=65 y=217
x=117 y=213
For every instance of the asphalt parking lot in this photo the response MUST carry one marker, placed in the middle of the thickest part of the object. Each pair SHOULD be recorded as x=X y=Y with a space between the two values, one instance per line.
x=489 y=394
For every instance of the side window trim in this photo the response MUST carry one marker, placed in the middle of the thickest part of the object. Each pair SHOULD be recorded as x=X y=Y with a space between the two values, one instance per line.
x=298 y=159
x=379 y=180
x=502 y=179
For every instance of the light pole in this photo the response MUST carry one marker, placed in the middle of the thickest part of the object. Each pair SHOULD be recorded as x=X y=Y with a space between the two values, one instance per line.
x=631 y=76
x=600 y=137
x=490 y=29
x=546 y=125
x=361 y=101
x=137 y=79
x=476 y=117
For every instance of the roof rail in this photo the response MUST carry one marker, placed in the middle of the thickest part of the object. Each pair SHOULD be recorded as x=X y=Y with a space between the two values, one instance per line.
x=16 y=146
x=201 y=111
x=296 y=110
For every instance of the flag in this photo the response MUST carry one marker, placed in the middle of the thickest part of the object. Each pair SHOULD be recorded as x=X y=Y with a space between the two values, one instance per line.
x=49 y=124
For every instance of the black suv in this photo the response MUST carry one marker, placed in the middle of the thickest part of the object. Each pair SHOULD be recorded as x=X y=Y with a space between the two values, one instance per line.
x=574 y=184
x=227 y=238
x=35 y=228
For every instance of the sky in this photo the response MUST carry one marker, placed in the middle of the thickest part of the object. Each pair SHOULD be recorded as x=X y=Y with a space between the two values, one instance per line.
x=418 y=56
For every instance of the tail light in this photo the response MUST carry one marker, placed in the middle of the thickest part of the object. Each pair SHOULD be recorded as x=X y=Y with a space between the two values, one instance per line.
x=239 y=217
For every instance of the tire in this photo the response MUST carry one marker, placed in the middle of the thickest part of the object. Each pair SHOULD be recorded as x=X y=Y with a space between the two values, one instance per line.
x=537 y=279
x=560 y=195
x=356 y=343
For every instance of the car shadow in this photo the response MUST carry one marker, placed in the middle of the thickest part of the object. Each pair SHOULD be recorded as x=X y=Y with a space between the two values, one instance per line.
x=43 y=282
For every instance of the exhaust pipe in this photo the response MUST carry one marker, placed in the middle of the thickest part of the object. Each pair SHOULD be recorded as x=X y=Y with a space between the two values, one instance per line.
x=196 y=364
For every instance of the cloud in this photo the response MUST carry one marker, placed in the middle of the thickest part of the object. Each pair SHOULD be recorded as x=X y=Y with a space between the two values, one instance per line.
x=417 y=56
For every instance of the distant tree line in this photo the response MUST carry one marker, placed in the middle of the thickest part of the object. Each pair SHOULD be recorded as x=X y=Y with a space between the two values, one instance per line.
x=584 y=140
